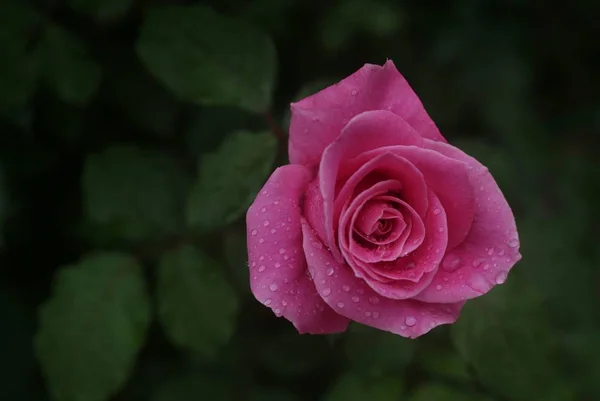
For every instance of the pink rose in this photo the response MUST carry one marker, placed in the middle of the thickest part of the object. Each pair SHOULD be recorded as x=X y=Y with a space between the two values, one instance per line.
x=378 y=219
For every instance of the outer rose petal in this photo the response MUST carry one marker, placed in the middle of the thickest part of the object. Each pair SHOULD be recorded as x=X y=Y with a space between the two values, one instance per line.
x=490 y=249
x=277 y=264
x=367 y=131
x=351 y=297
x=318 y=119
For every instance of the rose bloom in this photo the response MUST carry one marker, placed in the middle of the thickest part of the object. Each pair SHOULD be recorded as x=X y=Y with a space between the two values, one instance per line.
x=377 y=219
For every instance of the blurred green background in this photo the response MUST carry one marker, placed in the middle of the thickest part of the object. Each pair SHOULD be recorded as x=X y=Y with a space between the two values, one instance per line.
x=135 y=133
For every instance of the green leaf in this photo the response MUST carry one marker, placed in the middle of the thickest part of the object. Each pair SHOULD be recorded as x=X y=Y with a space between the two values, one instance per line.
x=356 y=387
x=102 y=9
x=18 y=367
x=209 y=126
x=196 y=388
x=208 y=58
x=351 y=17
x=506 y=337
x=19 y=62
x=440 y=392
x=197 y=307
x=229 y=179
x=92 y=327
x=138 y=95
x=443 y=362
x=272 y=394
x=285 y=353
x=386 y=352
x=235 y=251
x=134 y=194
x=68 y=68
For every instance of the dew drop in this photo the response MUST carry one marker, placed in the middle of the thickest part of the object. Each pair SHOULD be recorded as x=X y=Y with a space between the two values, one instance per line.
x=261 y=268
x=501 y=278
x=281 y=251
x=277 y=265
x=268 y=301
x=375 y=315
x=266 y=223
x=346 y=288
x=451 y=264
x=330 y=271
x=513 y=243
x=273 y=287
x=477 y=263
x=410 y=321
x=261 y=257
x=262 y=240
x=374 y=300
x=326 y=292
x=340 y=304
x=490 y=251
x=254 y=232
x=354 y=92
x=264 y=210
x=277 y=312
x=284 y=302
x=436 y=211
x=479 y=284
x=438 y=287
x=368 y=314
x=355 y=299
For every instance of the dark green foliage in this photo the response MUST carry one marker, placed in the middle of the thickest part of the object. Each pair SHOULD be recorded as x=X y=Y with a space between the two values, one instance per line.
x=134 y=135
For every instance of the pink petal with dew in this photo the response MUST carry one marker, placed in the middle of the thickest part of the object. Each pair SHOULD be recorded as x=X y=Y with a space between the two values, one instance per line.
x=278 y=270
x=352 y=297
x=491 y=247
x=319 y=119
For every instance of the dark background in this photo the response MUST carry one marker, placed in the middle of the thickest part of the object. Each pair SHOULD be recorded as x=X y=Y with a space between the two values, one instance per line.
x=513 y=83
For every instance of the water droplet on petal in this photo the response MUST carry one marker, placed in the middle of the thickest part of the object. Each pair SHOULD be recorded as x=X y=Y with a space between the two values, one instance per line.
x=340 y=304
x=262 y=240
x=266 y=223
x=354 y=92
x=330 y=271
x=355 y=299
x=477 y=262
x=490 y=251
x=501 y=278
x=254 y=232
x=438 y=287
x=451 y=263
x=436 y=211
x=368 y=314
x=375 y=315
x=267 y=301
x=346 y=288
x=284 y=302
x=374 y=300
x=410 y=321
x=273 y=287
x=513 y=243
x=277 y=312
x=478 y=283
x=261 y=268
x=326 y=292
x=264 y=210
x=281 y=251
x=277 y=265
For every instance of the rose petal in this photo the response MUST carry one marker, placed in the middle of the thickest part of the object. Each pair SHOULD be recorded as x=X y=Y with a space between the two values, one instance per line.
x=367 y=131
x=449 y=180
x=318 y=119
x=412 y=274
x=277 y=264
x=491 y=248
x=353 y=298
